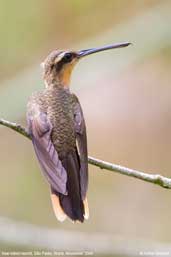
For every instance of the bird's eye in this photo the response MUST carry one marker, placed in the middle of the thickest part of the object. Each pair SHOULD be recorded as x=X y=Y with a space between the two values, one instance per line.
x=68 y=57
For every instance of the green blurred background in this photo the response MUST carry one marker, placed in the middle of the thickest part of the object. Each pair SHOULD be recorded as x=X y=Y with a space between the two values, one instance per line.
x=126 y=98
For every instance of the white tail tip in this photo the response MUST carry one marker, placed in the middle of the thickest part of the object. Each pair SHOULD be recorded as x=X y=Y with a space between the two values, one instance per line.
x=86 y=209
x=59 y=213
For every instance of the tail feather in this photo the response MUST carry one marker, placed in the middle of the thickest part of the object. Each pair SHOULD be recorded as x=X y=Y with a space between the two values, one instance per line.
x=86 y=209
x=59 y=213
x=72 y=204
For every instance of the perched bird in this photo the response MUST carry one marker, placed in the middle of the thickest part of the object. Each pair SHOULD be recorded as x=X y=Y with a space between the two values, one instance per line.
x=58 y=132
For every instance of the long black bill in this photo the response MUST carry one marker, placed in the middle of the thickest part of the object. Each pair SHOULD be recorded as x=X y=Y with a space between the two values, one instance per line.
x=86 y=52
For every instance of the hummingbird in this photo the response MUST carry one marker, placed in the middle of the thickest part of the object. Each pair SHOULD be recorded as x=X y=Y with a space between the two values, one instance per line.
x=58 y=132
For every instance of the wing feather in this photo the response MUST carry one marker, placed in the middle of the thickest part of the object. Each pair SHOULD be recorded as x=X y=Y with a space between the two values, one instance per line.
x=40 y=130
x=81 y=136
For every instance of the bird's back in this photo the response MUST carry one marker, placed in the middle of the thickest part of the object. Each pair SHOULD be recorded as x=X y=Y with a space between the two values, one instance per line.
x=61 y=116
x=56 y=103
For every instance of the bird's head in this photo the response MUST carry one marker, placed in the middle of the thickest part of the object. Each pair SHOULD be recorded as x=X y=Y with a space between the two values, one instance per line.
x=58 y=65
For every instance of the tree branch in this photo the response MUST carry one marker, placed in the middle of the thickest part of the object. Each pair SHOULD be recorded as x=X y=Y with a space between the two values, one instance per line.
x=151 y=178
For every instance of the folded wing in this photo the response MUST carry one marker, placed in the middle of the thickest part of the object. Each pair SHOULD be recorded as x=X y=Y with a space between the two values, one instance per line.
x=40 y=130
x=81 y=137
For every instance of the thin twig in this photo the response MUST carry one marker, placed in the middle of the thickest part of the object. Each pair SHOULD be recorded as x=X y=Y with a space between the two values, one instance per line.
x=151 y=178
x=15 y=127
